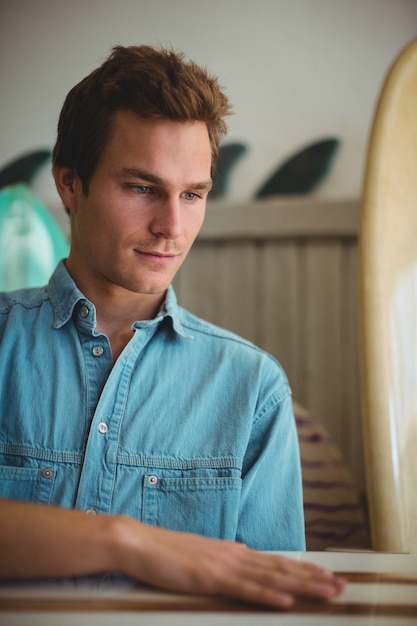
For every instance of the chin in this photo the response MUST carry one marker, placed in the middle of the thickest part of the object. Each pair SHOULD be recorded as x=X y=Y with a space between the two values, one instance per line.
x=148 y=289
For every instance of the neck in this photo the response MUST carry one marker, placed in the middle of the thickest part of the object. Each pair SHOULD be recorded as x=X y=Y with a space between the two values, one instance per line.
x=117 y=309
x=116 y=315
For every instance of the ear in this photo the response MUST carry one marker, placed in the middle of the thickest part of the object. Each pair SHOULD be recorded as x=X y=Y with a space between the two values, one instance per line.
x=66 y=183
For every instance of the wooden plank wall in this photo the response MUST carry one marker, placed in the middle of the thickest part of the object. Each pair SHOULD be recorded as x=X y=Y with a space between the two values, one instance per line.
x=283 y=274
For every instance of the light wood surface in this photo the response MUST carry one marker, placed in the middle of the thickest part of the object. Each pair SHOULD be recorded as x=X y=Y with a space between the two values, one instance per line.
x=379 y=586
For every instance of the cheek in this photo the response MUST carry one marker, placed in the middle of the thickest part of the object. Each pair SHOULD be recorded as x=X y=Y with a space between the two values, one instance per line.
x=115 y=222
x=194 y=225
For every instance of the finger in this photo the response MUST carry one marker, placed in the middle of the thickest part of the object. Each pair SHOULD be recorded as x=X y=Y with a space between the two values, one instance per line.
x=305 y=582
x=252 y=592
x=276 y=578
x=289 y=565
x=275 y=595
x=277 y=591
x=291 y=568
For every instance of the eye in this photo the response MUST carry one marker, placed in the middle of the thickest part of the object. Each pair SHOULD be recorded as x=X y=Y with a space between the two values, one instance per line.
x=141 y=189
x=190 y=195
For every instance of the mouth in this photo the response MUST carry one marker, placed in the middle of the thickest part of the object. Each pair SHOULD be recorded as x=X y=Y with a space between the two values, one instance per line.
x=155 y=256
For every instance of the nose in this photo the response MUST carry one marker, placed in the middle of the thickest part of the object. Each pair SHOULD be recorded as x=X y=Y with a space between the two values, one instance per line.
x=167 y=221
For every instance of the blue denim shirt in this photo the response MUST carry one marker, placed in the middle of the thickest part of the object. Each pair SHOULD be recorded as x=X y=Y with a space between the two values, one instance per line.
x=190 y=429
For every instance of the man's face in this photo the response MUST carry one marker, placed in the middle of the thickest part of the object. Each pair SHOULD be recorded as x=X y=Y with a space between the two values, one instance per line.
x=145 y=205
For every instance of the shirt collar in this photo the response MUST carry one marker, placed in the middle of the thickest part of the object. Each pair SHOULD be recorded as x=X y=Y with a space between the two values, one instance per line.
x=65 y=295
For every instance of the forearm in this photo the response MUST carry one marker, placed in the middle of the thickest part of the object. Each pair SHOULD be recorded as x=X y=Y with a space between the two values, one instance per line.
x=39 y=541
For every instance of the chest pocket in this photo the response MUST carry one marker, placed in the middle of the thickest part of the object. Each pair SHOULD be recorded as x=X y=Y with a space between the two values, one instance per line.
x=207 y=505
x=28 y=484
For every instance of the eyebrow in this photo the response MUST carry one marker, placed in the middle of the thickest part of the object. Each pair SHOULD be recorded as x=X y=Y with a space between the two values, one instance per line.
x=136 y=172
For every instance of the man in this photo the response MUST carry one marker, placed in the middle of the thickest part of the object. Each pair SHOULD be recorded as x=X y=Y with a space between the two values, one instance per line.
x=135 y=438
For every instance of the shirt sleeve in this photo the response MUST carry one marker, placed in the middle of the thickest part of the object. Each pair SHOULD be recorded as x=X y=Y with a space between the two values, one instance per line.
x=271 y=509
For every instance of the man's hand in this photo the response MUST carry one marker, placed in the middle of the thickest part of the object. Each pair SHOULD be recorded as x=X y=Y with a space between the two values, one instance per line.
x=38 y=541
x=193 y=564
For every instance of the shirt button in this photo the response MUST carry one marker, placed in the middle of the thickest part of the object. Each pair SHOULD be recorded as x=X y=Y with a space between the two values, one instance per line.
x=84 y=311
x=98 y=350
x=152 y=480
x=103 y=428
x=91 y=511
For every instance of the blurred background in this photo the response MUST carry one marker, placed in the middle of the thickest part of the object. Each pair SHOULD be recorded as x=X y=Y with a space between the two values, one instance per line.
x=296 y=71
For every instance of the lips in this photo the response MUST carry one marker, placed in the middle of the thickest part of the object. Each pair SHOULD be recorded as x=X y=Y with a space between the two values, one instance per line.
x=156 y=253
x=156 y=256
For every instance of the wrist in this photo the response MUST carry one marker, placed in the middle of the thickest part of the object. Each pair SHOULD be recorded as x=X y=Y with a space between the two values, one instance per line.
x=123 y=539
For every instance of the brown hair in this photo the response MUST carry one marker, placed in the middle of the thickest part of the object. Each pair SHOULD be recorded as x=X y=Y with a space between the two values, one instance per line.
x=151 y=82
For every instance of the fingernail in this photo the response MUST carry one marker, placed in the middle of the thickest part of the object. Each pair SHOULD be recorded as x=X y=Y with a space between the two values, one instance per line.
x=325 y=590
x=285 y=599
x=326 y=572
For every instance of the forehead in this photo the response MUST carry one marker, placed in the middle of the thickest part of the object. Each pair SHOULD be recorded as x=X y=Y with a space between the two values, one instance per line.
x=154 y=143
x=128 y=127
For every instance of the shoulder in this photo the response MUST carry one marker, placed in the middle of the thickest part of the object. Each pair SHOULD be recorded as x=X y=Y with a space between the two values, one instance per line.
x=22 y=299
x=16 y=304
x=198 y=327
x=245 y=354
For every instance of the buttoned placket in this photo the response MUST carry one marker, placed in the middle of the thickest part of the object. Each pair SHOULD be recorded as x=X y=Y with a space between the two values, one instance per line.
x=95 y=491
x=97 y=357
